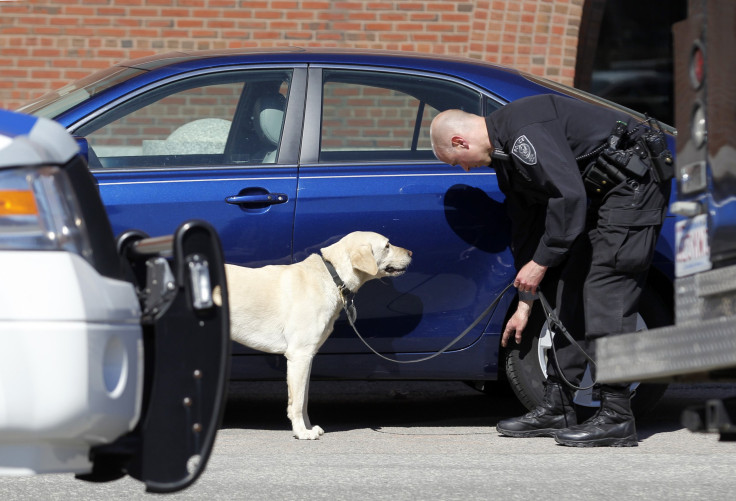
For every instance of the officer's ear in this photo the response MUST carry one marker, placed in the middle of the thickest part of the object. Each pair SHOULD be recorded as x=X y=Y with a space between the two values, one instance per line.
x=459 y=142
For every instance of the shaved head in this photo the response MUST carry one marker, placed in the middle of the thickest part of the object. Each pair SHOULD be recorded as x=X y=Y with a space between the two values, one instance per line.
x=460 y=138
x=445 y=125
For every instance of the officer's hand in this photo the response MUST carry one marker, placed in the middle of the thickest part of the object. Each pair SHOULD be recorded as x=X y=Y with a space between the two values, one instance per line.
x=529 y=277
x=516 y=324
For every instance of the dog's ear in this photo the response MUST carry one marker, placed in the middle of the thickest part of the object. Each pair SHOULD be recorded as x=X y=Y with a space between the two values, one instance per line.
x=362 y=259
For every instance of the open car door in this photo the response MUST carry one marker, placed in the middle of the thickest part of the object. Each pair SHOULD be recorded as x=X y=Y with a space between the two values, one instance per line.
x=119 y=364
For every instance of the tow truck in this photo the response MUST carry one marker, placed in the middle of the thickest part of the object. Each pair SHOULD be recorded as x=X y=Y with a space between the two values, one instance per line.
x=701 y=345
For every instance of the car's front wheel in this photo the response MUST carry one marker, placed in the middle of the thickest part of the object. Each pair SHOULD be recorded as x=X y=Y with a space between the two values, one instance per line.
x=526 y=374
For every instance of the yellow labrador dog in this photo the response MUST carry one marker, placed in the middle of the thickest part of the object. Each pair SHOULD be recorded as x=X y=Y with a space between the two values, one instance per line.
x=291 y=309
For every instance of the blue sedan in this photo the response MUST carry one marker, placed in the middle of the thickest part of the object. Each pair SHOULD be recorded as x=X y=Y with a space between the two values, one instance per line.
x=284 y=151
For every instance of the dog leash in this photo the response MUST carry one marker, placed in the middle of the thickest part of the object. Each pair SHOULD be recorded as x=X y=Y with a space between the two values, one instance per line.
x=348 y=297
x=554 y=321
x=349 y=308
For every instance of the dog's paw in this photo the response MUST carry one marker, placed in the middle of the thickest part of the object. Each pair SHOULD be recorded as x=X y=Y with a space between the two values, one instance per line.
x=312 y=434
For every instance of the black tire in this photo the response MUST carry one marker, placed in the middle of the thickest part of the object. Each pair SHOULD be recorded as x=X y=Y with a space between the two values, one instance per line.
x=525 y=375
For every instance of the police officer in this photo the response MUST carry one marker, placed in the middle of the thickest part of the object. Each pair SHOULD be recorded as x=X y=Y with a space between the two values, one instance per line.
x=592 y=242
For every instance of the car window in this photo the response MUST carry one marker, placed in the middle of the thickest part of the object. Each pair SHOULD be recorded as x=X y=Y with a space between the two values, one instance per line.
x=377 y=116
x=219 y=119
x=491 y=105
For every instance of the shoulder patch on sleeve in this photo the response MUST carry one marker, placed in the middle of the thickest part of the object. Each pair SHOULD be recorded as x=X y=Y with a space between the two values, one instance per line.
x=523 y=149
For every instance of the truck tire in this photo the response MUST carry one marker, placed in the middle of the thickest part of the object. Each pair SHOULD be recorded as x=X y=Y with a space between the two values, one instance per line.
x=525 y=375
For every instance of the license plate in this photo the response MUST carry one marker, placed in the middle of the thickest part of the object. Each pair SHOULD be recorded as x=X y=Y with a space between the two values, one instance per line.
x=693 y=251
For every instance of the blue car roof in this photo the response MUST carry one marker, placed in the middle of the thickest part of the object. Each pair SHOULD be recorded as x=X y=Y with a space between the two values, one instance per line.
x=506 y=84
x=472 y=70
x=31 y=141
x=127 y=76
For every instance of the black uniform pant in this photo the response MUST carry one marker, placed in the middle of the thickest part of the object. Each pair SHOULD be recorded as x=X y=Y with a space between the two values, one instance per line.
x=605 y=272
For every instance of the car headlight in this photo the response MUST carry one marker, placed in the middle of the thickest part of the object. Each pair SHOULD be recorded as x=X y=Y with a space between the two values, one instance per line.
x=39 y=211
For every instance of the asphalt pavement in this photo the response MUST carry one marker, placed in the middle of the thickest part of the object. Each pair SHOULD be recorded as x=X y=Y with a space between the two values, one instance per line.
x=426 y=440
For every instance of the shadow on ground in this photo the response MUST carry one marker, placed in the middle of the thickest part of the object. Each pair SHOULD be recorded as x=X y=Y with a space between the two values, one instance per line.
x=346 y=405
x=349 y=405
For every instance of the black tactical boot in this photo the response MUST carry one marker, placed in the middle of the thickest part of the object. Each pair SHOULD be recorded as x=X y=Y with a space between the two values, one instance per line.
x=555 y=413
x=612 y=426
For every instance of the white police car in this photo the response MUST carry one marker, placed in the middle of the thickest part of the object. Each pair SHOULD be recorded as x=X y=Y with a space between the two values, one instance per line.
x=113 y=358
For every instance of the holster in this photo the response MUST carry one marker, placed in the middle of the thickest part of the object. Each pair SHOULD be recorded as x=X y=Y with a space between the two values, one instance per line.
x=600 y=177
x=614 y=165
x=663 y=165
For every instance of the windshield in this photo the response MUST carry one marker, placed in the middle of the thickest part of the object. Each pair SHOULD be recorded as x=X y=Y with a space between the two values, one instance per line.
x=55 y=103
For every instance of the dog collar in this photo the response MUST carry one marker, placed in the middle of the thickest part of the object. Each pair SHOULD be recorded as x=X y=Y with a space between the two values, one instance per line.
x=346 y=294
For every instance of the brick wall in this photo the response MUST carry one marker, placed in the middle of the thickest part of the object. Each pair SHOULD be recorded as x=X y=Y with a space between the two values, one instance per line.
x=362 y=117
x=45 y=44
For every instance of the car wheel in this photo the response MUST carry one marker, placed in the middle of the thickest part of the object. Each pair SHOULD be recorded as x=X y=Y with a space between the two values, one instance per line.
x=526 y=374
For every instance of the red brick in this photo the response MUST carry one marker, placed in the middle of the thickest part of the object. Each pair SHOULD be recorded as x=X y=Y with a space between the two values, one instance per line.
x=111 y=32
x=175 y=12
x=267 y=14
x=146 y=12
x=127 y=22
x=44 y=74
x=173 y=33
x=315 y=5
x=425 y=37
x=76 y=36
x=411 y=6
x=454 y=18
x=143 y=33
x=440 y=27
x=203 y=33
x=380 y=5
x=425 y=17
x=409 y=27
x=343 y=5
x=220 y=24
x=79 y=10
x=14 y=73
x=392 y=37
x=339 y=26
x=332 y=16
x=207 y=13
x=63 y=21
x=188 y=23
x=159 y=23
x=111 y=54
x=283 y=25
x=300 y=14
x=329 y=35
x=46 y=53
x=65 y=63
x=110 y=11
x=265 y=35
x=371 y=16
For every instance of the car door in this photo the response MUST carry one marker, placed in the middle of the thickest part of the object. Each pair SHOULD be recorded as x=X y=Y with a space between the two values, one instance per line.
x=367 y=164
x=206 y=146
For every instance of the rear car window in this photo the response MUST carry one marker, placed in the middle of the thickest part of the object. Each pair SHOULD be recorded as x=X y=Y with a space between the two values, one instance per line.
x=385 y=116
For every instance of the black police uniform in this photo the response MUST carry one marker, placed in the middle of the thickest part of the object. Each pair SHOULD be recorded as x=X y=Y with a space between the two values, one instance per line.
x=598 y=250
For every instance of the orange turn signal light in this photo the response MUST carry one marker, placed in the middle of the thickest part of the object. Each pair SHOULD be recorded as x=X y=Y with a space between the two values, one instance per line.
x=17 y=203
